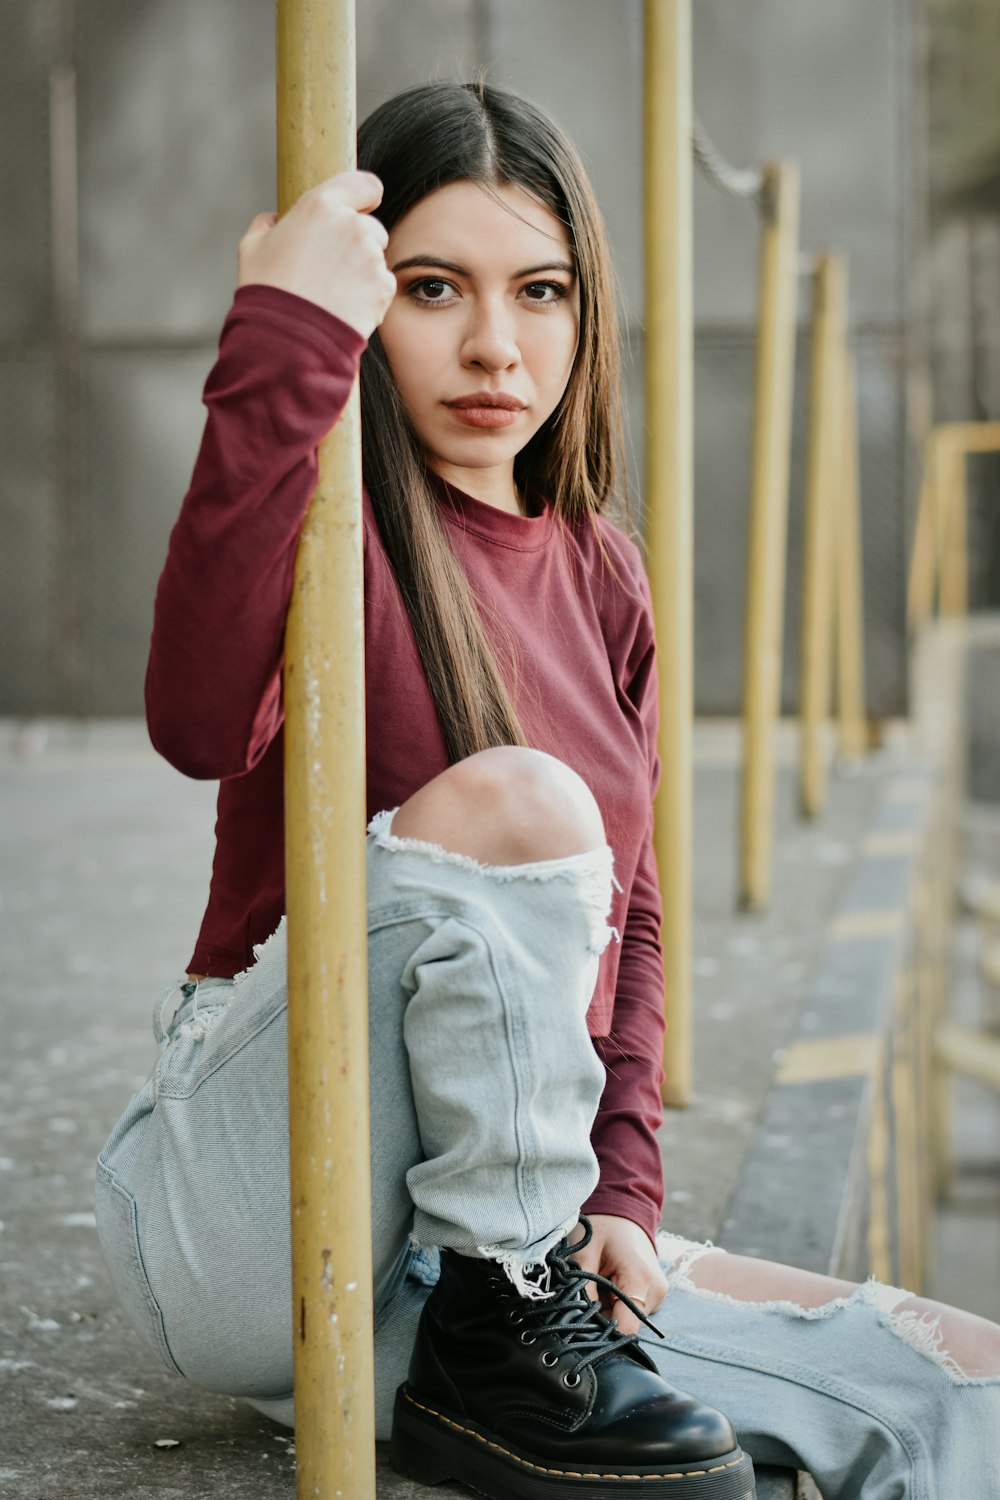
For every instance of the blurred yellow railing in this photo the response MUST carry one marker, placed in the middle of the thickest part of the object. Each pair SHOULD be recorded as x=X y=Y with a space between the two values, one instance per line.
x=772 y=446
x=939 y=563
x=832 y=623
x=832 y=619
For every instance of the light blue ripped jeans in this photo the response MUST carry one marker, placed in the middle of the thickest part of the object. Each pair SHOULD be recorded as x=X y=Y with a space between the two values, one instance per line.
x=484 y=1088
x=859 y=1392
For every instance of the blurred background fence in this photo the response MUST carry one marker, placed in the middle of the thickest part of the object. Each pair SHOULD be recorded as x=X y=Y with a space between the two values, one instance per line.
x=136 y=142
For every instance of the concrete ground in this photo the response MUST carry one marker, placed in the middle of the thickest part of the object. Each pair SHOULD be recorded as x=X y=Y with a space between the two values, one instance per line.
x=104 y=870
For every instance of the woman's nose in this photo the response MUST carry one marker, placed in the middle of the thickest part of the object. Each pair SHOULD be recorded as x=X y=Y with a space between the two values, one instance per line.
x=490 y=339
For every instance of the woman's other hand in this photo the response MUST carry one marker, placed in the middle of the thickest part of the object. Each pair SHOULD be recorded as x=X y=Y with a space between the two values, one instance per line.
x=328 y=249
x=623 y=1252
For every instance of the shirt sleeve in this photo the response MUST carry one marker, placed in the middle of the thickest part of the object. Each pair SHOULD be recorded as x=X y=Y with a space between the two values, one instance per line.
x=284 y=373
x=631 y=1112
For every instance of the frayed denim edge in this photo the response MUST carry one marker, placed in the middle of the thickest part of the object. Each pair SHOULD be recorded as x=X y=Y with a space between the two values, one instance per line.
x=594 y=869
x=525 y=1268
x=919 y=1331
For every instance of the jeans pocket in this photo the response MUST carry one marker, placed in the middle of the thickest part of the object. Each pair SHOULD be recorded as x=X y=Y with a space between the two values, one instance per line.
x=118 y=1232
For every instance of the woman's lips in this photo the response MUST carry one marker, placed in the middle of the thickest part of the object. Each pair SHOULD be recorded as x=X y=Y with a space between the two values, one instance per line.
x=486 y=409
x=485 y=416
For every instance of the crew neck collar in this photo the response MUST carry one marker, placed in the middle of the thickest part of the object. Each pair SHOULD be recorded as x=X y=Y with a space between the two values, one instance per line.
x=522 y=533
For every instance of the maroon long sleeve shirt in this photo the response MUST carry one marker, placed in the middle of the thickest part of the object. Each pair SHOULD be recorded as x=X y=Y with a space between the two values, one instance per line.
x=584 y=687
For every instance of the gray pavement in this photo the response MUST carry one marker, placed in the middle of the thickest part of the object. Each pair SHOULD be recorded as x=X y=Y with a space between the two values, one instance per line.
x=104 y=870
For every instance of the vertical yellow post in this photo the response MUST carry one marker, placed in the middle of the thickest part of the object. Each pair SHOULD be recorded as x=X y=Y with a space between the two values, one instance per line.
x=772 y=442
x=325 y=817
x=669 y=489
x=940 y=557
x=879 y=1232
x=852 y=726
x=954 y=554
x=925 y=558
x=906 y=1137
x=822 y=496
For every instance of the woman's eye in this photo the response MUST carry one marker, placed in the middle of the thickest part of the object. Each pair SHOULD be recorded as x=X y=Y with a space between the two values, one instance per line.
x=544 y=291
x=432 y=289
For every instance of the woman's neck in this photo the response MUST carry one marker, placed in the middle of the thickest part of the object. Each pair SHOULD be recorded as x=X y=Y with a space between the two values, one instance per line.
x=492 y=486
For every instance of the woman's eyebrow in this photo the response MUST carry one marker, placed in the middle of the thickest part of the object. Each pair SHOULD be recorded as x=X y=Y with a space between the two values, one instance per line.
x=429 y=260
x=552 y=265
x=436 y=262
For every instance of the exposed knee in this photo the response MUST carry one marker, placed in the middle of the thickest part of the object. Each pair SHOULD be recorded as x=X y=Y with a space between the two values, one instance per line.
x=505 y=806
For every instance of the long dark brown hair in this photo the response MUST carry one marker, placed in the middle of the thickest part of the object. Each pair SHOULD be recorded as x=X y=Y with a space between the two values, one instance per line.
x=417 y=142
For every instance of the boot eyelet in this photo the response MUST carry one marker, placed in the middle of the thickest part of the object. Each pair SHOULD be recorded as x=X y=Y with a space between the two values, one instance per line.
x=571 y=1379
x=515 y=1317
x=549 y=1359
x=527 y=1338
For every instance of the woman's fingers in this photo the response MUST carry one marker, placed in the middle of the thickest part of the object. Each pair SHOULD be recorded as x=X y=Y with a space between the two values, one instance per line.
x=327 y=249
x=646 y=1298
x=361 y=191
x=259 y=225
x=622 y=1252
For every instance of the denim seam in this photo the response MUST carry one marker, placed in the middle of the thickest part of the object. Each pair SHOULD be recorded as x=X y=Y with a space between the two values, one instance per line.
x=529 y=1195
x=515 y=1072
x=527 y=1192
x=202 y=1075
x=138 y=1265
x=399 y=1282
x=906 y=1435
x=527 y=1188
x=414 y=910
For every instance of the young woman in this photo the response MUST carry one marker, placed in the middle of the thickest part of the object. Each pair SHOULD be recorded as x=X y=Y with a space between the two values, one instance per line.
x=514 y=917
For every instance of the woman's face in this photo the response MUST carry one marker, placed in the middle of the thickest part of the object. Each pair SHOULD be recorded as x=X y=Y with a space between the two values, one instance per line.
x=482 y=332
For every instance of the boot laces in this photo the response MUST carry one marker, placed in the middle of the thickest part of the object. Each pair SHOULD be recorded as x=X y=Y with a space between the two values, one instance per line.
x=571 y=1314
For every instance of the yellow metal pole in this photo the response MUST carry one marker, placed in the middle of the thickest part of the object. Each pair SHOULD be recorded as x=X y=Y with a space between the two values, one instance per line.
x=906 y=1136
x=943 y=463
x=669 y=489
x=822 y=485
x=852 y=727
x=879 y=1231
x=953 y=596
x=940 y=542
x=924 y=560
x=961 y=439
x=325 y=817
x=773 y=390
x=924 y=919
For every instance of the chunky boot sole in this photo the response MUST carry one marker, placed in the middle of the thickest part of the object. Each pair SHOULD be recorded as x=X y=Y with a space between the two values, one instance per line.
x=430 y=1447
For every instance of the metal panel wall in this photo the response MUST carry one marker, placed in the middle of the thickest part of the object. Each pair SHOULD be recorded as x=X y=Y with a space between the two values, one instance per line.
x=831 y=86
x=175 y=154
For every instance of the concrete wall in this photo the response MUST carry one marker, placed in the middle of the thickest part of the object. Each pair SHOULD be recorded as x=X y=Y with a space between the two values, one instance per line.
x=175 y=154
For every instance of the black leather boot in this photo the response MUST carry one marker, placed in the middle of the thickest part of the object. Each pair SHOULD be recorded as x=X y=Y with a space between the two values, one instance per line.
x=525 y=1399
